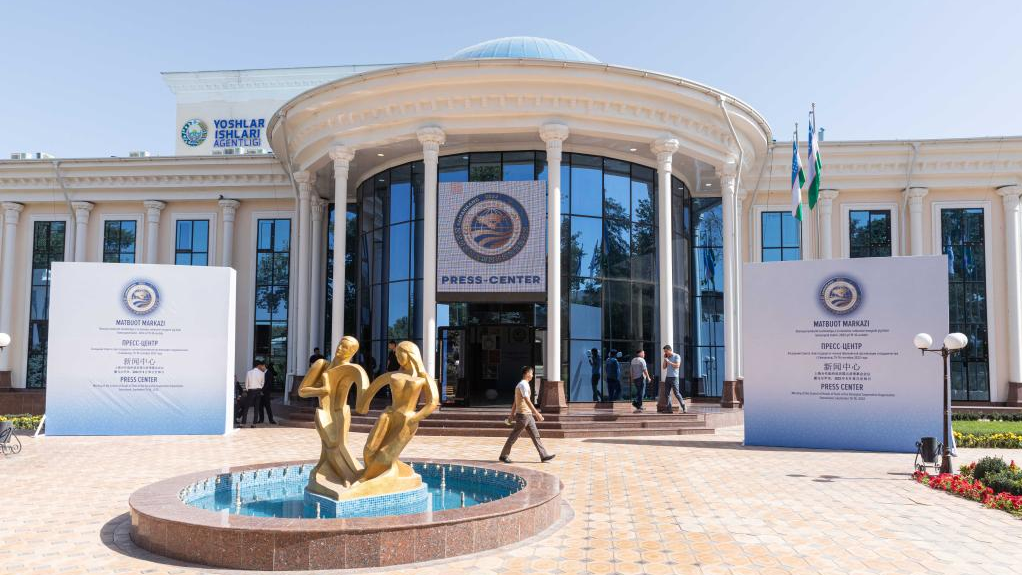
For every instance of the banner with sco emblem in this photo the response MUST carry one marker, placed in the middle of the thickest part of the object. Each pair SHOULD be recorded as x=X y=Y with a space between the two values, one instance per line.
x=137 y=349
x=491 y=237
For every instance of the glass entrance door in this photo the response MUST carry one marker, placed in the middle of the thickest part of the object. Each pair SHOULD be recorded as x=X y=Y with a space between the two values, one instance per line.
x=451 y=363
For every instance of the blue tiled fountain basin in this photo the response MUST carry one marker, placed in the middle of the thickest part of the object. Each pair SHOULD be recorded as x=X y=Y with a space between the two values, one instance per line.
x=280 y=492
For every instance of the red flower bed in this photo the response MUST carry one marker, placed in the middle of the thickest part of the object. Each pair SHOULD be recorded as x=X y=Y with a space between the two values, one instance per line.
x=964 y=486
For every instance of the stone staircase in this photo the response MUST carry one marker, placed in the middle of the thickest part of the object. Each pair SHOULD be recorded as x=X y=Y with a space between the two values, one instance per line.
x=579 y=422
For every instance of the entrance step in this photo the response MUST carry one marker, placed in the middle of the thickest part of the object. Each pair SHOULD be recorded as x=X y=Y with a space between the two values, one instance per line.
x=581 y=422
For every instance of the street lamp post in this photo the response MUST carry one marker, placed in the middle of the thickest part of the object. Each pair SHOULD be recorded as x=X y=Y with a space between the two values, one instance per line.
x=953 y=343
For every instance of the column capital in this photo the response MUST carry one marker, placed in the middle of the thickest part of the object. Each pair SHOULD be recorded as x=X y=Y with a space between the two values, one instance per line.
x=305 y=181
x=317 y=208
x=342 y=155
x=304 y=177
x=828 y=195
x=1009 y=192
x=916 y=195
x=431 y=138
x=82 y=211
x=230 y=208
x=153 y=209
x=553 y=132
x=12 y=211
x=664 y=148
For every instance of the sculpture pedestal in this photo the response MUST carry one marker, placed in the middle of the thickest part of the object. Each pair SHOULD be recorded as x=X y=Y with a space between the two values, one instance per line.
x=417 y=500
x=554 y=399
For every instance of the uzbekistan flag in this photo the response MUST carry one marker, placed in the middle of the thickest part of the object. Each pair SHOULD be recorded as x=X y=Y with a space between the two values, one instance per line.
x=798 y=179
x=815 y=162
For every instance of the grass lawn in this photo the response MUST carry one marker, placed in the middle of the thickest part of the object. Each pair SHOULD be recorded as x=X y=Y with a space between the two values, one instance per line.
x=987 y=427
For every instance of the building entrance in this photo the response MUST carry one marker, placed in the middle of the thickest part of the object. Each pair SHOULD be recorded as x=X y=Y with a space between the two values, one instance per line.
x=480 y=361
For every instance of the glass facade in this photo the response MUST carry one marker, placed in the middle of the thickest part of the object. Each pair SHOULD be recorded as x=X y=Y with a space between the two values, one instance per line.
x=47 y=247
x=705 y=357
x=273 y=265
x=963 y=241
x=869 y=233
x=119 y=241
x=780 y=237
x=191 y=246
x=389 y=262
x=609 y=265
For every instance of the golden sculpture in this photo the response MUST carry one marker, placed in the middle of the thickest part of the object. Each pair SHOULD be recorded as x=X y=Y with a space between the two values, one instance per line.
x=338 y=475
x=337 y=469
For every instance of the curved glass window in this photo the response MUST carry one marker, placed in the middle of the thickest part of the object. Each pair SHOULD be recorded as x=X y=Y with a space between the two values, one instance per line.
x=609 y=263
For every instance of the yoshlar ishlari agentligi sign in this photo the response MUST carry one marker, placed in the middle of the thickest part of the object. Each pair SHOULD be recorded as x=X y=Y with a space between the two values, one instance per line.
x=492 y=237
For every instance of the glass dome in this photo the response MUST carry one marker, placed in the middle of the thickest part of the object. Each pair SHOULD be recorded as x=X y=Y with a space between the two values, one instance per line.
x=524 y=47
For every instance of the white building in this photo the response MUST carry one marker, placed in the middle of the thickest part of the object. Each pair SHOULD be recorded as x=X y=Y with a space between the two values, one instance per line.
x=652 y=169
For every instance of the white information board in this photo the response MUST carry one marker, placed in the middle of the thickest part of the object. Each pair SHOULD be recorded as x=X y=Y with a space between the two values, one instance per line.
x=140 y=350
x=491 y=237
x=829 y=359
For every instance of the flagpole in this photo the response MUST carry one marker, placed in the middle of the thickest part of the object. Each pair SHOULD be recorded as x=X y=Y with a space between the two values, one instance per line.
x=812 y=126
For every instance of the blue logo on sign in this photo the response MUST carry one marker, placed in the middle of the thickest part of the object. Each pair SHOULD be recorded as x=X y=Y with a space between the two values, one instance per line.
x=491 y=228
x=840 y=295
x=194 y=132
x=141 y=297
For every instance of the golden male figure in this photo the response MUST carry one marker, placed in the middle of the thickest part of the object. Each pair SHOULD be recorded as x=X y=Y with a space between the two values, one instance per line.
x=337 y=469
x=384 y=473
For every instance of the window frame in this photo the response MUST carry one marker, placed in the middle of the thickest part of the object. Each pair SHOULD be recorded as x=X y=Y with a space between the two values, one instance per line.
x=997 y=392
x=246 y=362
x=848 y=207
x=757 y=231
x=211 y=244
x=140 y=233
x=26 y=322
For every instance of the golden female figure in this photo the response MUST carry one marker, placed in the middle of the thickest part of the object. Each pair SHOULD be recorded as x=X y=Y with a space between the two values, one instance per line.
x=384 y=472
x=337 y=469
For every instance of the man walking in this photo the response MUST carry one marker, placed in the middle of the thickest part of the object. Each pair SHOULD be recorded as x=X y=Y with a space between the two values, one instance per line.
x=525 y=415
x=672 y=364
x=254 y=381
x=640 y=375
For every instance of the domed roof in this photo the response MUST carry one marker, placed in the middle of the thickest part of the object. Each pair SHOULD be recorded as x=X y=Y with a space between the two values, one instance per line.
x=524 y=47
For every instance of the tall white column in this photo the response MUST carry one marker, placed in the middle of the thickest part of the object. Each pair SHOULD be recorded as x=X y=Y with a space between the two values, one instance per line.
x=316 y=274
x=342 y=156
x=230 y=210
x=153 y=209
x=1012 y=238
x=553 y=394
x=664 y=148
x=827 y=198
x=729 y=205
x=82 y=211
x=736 y=300
x=12 y=213
x=915 y=218
x=305 y=181
x=431 y=139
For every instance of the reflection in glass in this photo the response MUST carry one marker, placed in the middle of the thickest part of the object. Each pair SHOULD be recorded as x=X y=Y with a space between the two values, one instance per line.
x=47 y=247
x=780 y=237
x=271 y=294
x=963 y=241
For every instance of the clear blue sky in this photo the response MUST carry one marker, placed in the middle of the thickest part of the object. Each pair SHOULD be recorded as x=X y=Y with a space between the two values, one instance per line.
x=82 y=78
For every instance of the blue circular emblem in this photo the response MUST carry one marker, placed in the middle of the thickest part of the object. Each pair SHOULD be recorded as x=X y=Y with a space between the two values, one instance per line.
x=840 y=295
x=491 y=228
x=194 y=132
x=141 y=297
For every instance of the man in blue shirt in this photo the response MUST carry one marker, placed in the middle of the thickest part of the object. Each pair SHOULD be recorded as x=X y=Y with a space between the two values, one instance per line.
x=671 y=368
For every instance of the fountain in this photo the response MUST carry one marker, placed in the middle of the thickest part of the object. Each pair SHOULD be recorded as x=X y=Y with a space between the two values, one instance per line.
x=339 y=512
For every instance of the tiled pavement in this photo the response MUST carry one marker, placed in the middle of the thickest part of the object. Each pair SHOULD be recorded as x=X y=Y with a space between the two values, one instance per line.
x=702 y=505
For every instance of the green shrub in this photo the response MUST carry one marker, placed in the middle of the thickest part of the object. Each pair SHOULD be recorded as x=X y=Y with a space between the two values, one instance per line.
x=988 y=466
x=986 y=416
x=1009 y=480
x=23 y=420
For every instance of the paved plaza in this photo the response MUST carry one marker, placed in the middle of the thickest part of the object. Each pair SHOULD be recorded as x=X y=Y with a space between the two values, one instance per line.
x=638 y=505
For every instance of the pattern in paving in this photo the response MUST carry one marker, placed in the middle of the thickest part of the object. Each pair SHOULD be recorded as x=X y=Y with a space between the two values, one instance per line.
x=701 y=505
